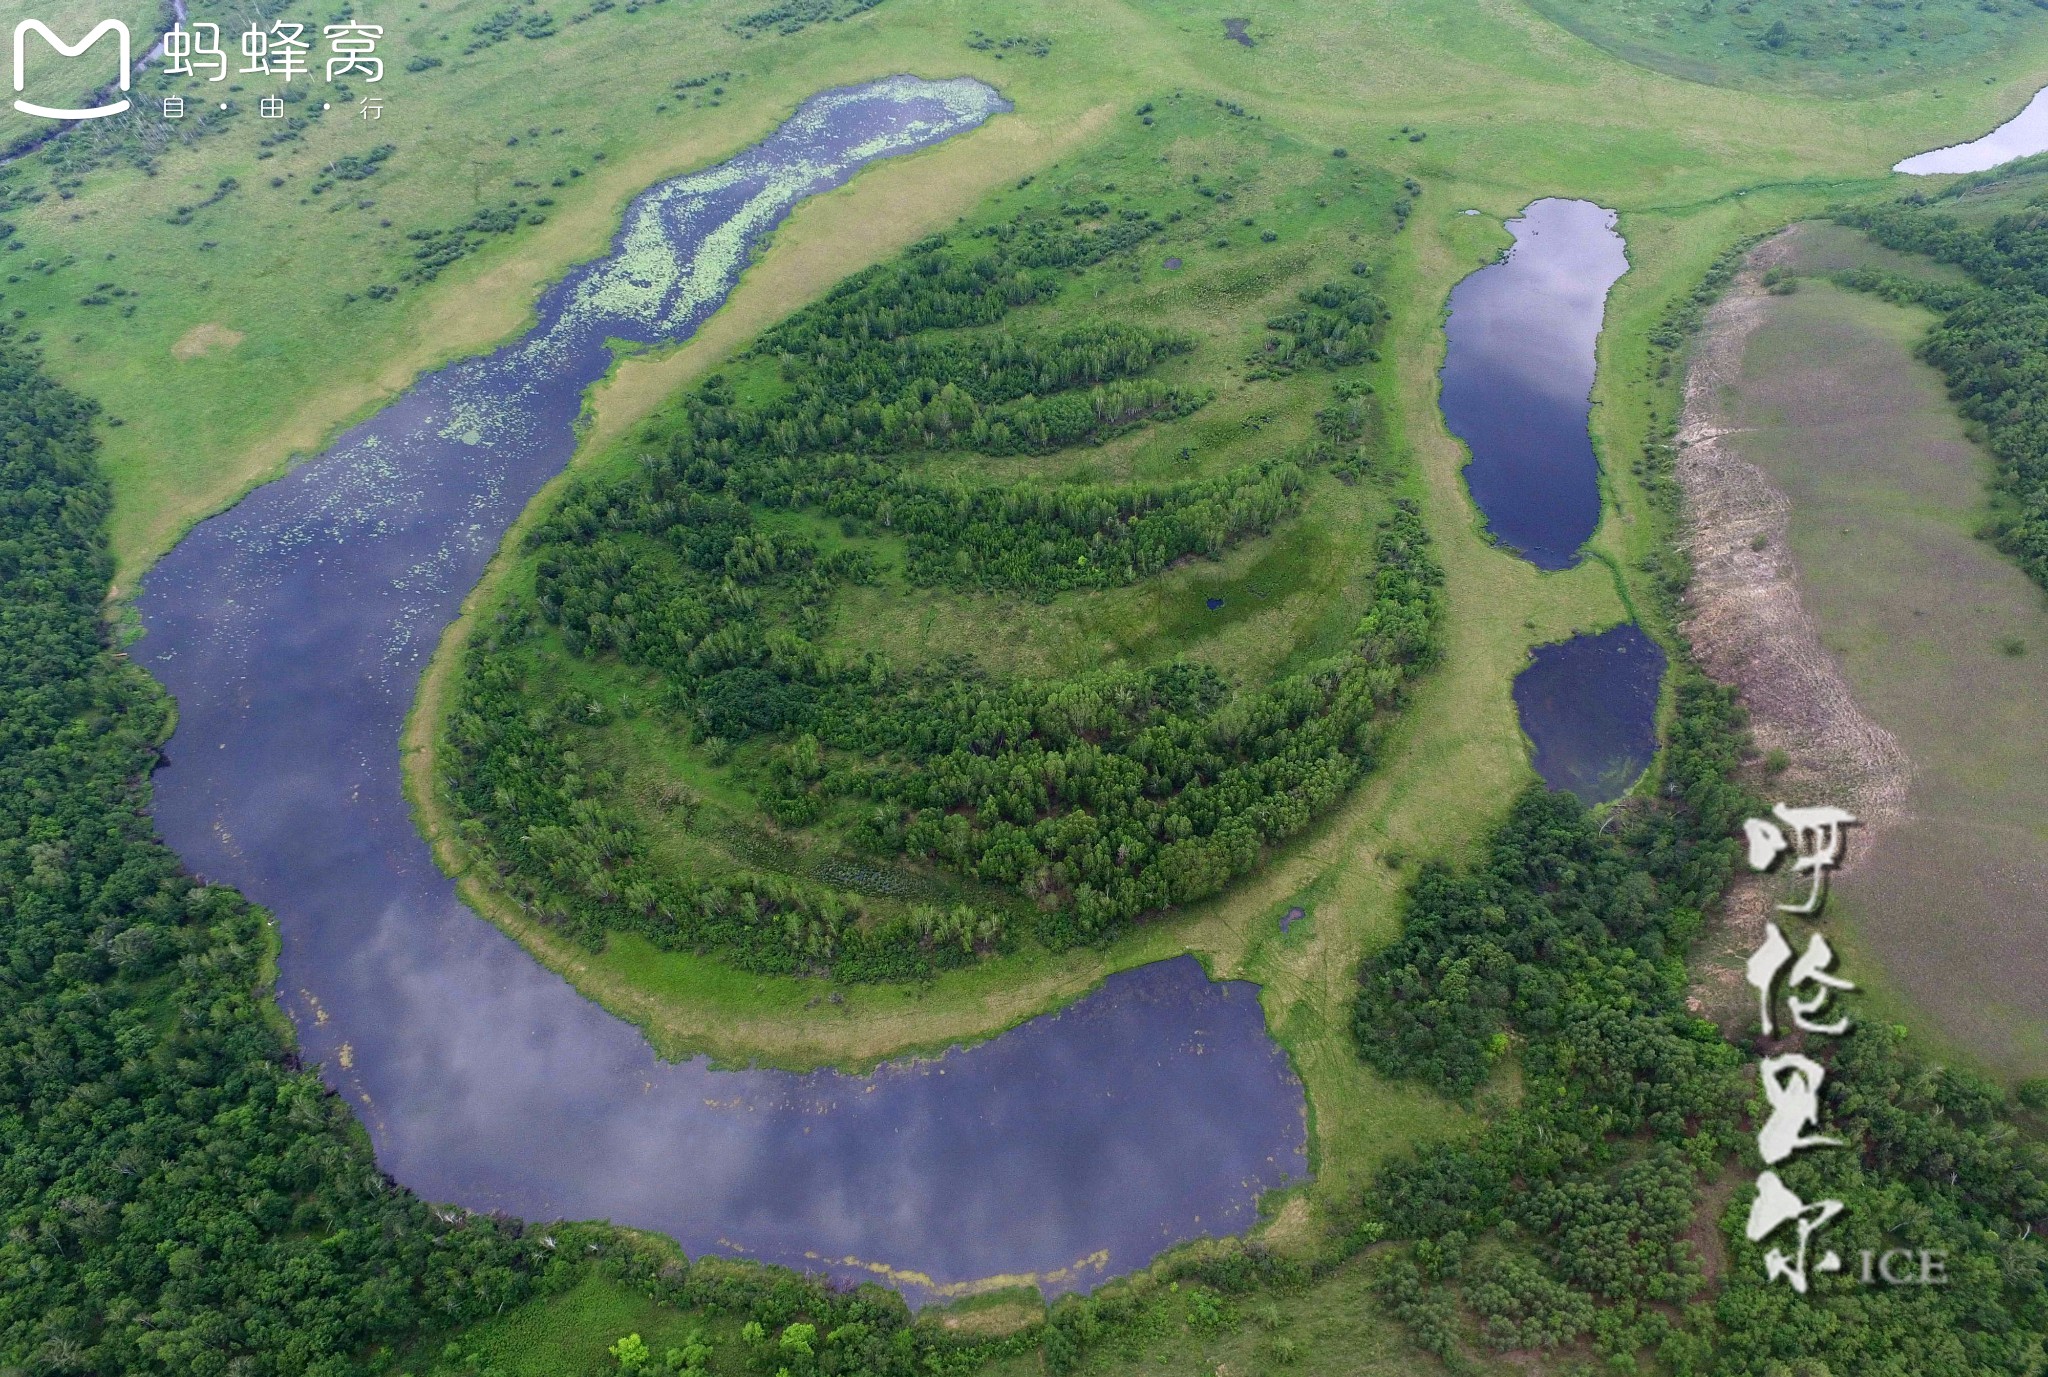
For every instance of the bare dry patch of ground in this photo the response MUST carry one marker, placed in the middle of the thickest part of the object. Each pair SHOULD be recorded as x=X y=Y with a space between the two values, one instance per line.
x=1750 y=627
x=201 y=340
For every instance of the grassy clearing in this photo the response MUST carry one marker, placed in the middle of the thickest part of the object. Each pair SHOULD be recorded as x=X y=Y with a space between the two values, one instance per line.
x=1337 y=1326
x=1823 y=47
x=1942 y=641
x=566 y=1335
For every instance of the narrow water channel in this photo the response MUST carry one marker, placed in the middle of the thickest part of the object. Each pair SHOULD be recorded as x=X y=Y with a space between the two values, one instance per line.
x=292 y=631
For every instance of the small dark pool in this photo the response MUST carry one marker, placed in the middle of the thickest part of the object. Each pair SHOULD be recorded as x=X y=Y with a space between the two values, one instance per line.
x=1589 y=706
x=1173 y=265
x=1290 y=918
x=1215 y=603
x=1518 y=378
x=1238 y=31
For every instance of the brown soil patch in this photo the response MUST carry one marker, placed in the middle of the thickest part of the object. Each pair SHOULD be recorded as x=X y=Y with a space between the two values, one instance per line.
x=1749 y=627
x=1704 y=1235
x=1295 y=1229
x=201 y=340
x=992 y=1321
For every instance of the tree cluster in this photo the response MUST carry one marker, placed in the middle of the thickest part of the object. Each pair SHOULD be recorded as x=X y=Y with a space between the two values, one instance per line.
x=1566 y=1220
x=1097 y=798
x=1992 y=346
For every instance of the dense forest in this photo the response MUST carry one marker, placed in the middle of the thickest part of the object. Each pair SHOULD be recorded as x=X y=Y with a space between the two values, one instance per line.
x=1097 y=797
x=1990 y=343
x=1570 y=1219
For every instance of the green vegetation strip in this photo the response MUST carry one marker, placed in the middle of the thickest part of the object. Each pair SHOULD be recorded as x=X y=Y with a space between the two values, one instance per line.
x=1987 y=343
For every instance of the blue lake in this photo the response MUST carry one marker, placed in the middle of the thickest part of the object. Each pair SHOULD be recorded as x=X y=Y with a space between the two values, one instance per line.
x=1518 y=378
x=292 y=631
x=1589 y=706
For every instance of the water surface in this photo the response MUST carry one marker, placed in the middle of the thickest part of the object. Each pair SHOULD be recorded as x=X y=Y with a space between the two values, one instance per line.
x=292 y=631
x=1589 y=706
x=1518 y=378
x=2021 y=136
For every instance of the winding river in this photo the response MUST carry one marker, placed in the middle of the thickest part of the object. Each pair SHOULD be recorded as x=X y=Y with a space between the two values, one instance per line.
x=292 y=631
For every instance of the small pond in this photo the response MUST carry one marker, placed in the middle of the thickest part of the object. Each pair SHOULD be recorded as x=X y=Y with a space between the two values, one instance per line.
x=2021 y=136
x=1589 y=706
x=292 y=631
x=1518 y=378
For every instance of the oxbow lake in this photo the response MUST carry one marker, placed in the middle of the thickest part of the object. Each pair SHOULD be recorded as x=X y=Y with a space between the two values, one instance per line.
x=293 y=629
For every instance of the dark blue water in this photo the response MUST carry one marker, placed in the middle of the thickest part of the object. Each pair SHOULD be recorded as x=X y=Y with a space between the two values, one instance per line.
x=292 y=631
x=1589 y=706
x=1518 y=378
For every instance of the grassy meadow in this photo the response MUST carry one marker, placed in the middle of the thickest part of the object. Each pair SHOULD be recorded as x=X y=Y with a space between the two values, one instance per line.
x=1941 y=639
x=1816 y=45
x=1336 y=1328
x=244 y=352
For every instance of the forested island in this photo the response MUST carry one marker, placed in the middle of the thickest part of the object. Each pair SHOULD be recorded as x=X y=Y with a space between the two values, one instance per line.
x=822 y=455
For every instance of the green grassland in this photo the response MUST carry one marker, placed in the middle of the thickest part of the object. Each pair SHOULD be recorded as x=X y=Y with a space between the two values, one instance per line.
x=275 y=358
x=1338 y=1326
x=1939 y=637
x=1824 y=46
